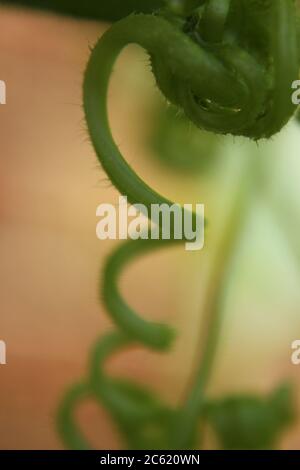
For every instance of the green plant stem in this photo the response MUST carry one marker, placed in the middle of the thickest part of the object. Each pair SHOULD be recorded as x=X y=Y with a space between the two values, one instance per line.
x=191 y=410
x=240 y=86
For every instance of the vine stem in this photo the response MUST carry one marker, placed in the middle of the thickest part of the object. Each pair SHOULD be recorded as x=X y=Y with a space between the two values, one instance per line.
x=188 y=73
x=192 y=408
x=183 y=57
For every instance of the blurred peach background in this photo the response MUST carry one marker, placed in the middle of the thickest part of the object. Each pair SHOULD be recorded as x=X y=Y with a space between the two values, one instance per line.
x=51 y=260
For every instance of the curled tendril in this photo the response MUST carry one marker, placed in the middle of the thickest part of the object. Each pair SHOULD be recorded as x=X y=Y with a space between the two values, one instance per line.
x=229 y=65
x=141 y=418
x=237 y=73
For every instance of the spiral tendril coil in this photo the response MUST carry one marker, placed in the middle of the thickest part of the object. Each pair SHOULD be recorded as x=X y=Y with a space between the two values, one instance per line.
x=229 y=65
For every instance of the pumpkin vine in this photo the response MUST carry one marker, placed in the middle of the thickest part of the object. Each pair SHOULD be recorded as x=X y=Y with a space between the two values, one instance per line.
x=229 y=65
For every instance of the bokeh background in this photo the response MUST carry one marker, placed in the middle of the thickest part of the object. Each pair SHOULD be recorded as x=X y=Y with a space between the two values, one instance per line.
x=50 y=258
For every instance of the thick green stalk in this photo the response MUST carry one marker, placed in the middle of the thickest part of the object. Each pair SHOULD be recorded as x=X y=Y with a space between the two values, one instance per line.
x=192 y=408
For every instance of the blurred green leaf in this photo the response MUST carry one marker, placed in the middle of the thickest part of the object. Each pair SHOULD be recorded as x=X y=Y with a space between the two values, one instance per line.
x=251 y=422
x=179 y=144
x=106 y=10
x=144 y=421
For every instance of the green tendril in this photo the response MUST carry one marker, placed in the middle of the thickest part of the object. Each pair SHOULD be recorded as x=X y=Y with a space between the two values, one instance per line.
x=229 y=65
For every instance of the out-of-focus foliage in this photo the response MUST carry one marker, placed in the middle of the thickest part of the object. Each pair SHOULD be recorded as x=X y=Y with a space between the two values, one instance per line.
x=251 y=422
x=142 y=419
x=146 y=422
x=106 y=10
x=179 y=145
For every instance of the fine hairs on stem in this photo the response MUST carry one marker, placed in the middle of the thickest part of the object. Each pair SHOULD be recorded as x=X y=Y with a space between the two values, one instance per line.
x=229 y=66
